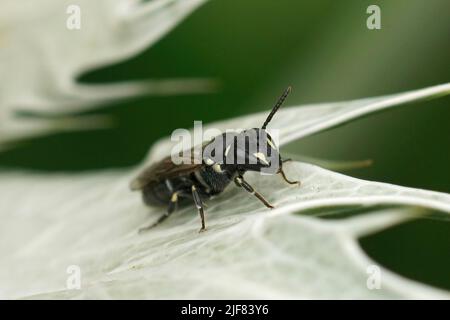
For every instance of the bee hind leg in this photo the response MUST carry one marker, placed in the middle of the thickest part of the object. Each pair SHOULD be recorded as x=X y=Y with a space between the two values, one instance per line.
x=172 y=207
x=200 y=207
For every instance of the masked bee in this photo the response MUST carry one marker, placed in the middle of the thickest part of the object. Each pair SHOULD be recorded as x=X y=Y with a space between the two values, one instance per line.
x=224 y=159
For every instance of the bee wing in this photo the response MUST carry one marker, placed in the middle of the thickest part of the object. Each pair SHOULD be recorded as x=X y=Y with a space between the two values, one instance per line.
x=164 y=169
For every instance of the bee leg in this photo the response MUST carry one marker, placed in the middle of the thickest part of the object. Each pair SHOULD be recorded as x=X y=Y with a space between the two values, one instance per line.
x=286 y=179
x=284 y=175
x=199 y=204
x=172 y=207
x=239 y=180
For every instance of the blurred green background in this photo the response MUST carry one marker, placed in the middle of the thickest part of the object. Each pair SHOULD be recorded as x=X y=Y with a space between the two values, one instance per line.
x=255 y=48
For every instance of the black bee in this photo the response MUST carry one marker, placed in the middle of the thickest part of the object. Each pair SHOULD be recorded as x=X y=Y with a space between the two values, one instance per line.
x=224 y=159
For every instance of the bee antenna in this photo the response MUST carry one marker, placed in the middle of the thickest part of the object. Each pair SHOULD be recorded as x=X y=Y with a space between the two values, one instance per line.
x=277 y=106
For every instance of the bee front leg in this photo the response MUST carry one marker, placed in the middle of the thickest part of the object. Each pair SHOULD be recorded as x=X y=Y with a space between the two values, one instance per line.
x=172 y=207
x=239 y=180
x=280 y=171
x=286 y=179
x=199 y=204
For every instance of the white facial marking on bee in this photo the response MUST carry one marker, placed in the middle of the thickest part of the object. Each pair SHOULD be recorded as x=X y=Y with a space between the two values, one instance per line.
x=174 y=197
x=261 y=157
x=209 y=161
x=227 y=150
x=271 y=144
x=217 y=168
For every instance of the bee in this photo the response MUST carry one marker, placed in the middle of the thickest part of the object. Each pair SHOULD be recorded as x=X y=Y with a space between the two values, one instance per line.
x=224 y=159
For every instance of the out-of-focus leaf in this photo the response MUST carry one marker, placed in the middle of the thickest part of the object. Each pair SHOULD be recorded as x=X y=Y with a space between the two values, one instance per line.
x=41 y=59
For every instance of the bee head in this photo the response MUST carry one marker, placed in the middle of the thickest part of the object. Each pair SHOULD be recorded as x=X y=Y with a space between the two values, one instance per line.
x=256 y=151
x=260 y=151
x=250 y=150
